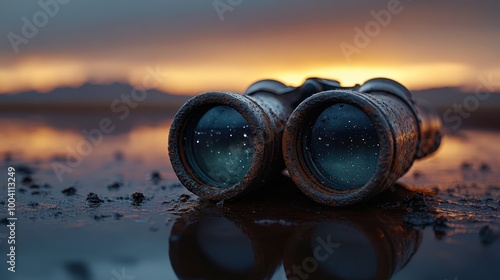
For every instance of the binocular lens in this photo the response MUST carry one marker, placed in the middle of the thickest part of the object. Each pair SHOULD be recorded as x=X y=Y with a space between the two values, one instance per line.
x=219 y=146
x=342 y=147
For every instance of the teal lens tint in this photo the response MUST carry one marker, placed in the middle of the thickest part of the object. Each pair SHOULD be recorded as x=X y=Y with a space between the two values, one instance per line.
x=341 y=147
x=219 y=146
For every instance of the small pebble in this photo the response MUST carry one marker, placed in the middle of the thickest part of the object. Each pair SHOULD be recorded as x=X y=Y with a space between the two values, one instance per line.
x=33 y=204
x=115 y=186
x=94 y=198
x=137 y=198
x=69 y=191
x=27 y=180
x=184 y=197
x=100 y=217
x=155 y=177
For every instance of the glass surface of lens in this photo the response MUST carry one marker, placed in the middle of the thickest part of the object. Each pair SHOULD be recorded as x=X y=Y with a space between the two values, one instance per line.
x=220 y=146
x=342 y=147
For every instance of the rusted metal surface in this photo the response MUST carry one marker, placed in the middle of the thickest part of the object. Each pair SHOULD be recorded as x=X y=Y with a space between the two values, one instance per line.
x=266 y=106
x=406 y=131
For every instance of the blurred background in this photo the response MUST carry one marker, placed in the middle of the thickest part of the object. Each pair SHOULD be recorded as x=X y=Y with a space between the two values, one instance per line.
x=206 y=45
x=113 y=74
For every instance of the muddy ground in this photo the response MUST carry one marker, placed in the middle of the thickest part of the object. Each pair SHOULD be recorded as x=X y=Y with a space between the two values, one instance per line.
x=122 y=214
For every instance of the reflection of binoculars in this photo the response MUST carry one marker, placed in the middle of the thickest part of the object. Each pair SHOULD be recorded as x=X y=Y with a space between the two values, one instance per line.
x=209 y=245
x=340 y=145
x=212 y=243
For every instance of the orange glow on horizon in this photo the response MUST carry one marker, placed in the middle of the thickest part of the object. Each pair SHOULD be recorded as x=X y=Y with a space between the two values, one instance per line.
x=44 y=75
x=41 y=75
x=189 y=80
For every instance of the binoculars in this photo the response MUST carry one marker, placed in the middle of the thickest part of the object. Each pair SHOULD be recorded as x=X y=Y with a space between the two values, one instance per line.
x=340 y=145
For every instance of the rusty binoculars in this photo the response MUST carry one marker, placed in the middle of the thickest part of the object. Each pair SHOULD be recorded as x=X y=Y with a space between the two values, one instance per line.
x=223 y=144
x=340 y=145
x=345 y=146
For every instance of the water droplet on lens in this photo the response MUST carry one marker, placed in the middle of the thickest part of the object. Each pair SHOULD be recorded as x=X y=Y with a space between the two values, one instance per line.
x=227 y=133
x=348 y=160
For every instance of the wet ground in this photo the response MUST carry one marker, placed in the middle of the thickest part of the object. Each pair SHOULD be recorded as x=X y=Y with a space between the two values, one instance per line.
x=118 y=212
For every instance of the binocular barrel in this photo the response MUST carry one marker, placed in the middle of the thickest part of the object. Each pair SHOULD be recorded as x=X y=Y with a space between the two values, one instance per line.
x=345 y=146
x=223 y=144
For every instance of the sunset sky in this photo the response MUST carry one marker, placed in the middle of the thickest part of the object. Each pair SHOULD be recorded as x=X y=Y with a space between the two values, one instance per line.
x=423 y=44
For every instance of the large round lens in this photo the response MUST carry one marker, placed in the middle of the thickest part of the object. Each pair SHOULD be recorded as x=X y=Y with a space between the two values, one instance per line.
x=342 y=147
x=220 y=146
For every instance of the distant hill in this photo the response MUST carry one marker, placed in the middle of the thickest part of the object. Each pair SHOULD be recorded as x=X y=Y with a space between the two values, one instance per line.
x=446 y=97
x=87 y=96
x=159 y=105
x=94 y=96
